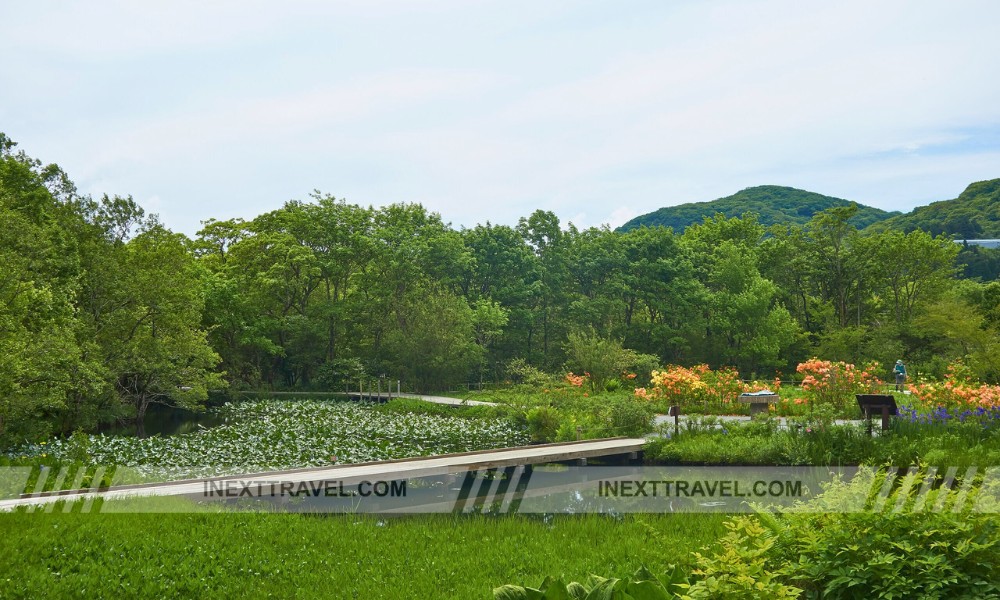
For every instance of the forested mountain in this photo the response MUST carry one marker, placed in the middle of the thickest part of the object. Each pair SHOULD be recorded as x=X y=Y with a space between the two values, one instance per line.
x=773 y=204
x=103 y=310
x=974 y=214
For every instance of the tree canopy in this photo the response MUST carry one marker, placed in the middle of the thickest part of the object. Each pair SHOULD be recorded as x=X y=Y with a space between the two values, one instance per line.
x=105 y=311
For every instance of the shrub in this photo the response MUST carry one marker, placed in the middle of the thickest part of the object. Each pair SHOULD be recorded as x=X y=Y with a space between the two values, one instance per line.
x=700 y=387
x=602 y=359
x=835 y=547
x=737 y=568
x=674 y=385
x=835 y=383
x=543 y=423
x=521 y=372
x=629 y=418
x=567 y=431
x=957 y=391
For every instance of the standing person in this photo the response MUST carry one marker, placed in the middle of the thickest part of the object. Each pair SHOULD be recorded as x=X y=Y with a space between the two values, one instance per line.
x=900 y=371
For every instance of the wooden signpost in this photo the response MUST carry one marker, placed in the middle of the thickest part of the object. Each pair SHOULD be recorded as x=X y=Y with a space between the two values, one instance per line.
x=877 y=404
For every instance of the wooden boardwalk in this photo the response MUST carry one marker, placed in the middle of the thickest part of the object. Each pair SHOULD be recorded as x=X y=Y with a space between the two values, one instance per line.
x=407 y=468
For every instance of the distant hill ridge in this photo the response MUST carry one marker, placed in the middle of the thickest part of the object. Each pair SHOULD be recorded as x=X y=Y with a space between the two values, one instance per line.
x=773 y=203
x=974 y=214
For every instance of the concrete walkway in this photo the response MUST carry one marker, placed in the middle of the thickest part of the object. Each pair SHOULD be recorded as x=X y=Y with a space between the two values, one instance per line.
x=443 y=400
x=722 y=420
x=383 y=396
x=386 y=396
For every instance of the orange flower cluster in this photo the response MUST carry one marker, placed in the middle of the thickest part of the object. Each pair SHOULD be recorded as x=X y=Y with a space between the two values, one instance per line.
x=836 y=382
x=759 y=386
x=957 y=391
x=674 y=384
x=576 y=380
x=698 y=384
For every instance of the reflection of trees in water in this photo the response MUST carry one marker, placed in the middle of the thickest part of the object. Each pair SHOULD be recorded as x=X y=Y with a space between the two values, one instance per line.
x=166 y=421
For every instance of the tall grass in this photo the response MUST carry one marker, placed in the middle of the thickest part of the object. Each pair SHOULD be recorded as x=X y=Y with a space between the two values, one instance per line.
x=335 y=556
x=949 y=444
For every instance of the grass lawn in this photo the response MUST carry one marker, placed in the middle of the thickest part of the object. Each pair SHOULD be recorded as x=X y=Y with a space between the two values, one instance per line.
x=335 y=556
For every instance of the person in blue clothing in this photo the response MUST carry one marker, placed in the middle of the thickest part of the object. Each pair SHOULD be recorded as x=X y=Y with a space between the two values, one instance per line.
x=900 y=371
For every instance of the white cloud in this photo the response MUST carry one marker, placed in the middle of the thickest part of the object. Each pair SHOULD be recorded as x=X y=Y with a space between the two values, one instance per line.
x=226 y=109
x=620 y=216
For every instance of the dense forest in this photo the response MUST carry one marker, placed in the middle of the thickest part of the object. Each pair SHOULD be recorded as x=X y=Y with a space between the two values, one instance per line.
x=974 y=214
x=104 y=310
x=773 y=205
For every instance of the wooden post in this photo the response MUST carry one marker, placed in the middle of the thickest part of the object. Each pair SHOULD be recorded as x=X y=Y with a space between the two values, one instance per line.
x=885 y=418
x=378 y=397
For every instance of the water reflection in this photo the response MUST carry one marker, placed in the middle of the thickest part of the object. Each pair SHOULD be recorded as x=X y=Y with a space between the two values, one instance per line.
x=166 y=421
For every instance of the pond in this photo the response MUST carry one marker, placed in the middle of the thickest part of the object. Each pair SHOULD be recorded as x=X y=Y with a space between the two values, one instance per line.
x=166 y=421
x=271 y=435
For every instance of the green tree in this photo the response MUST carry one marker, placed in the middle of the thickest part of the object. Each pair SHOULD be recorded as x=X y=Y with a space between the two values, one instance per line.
x=747 y=327
x=433 y=341
x=39 y=271
x=414 y=253
x=788 y=258
x=499 y=271
x=912 y=268
x=742 y=320
x=489 y=319
x=550 y=285
x=660 y=297
x=953 y=327
x=596 y=261
x=157 y=351
x=833 y=238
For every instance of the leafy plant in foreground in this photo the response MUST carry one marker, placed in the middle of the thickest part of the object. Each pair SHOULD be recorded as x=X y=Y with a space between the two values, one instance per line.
x=643 y=585
x=738 y=568
x=837 y=546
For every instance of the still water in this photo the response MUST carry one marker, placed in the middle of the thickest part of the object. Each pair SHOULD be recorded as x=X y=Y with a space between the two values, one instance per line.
x=165 y=421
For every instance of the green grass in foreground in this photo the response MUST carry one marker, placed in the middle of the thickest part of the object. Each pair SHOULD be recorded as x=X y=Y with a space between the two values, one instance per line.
x=337 y=556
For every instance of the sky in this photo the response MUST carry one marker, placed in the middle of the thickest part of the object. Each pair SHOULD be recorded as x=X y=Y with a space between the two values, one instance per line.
x=487 y=111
